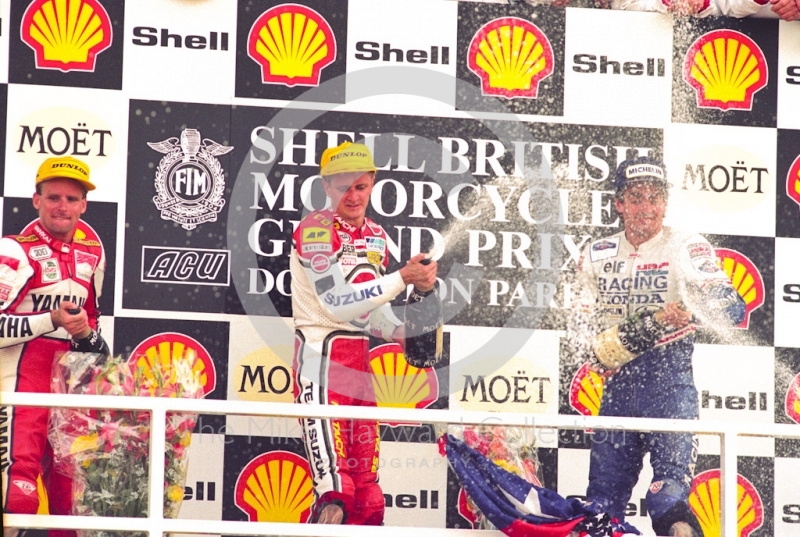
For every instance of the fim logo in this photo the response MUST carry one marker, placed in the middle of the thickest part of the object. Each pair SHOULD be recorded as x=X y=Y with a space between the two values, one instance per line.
x=704 y=499
x=66 y=35
x=398 y=384
x=167 y=348
x=192 y=266
x=792 y=402
x=510 y=56
x=190 y=181
x=746 y=279
x=292 y=44
x=586 y=391
x=793 y=181
x=275 y=487
x=726 y=68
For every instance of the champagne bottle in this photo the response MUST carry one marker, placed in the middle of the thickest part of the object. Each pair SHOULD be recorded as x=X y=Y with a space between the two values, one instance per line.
x=423 y=328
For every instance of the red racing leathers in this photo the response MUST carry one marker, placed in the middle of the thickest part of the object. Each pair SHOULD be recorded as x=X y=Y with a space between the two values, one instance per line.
x=340 y=293
x=37 y=273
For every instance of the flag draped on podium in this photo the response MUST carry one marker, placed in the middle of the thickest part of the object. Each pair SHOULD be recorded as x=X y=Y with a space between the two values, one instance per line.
x=521 y=509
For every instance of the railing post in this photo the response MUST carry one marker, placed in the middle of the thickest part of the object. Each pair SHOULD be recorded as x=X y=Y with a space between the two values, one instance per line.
x=158 y=433
x=728 y=477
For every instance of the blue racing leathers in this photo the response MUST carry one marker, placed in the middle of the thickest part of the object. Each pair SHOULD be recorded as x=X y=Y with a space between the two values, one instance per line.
x=614 y=281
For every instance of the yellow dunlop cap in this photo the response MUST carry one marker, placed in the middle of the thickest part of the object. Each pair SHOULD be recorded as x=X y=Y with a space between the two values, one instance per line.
x=346 y=158
x=66 y=168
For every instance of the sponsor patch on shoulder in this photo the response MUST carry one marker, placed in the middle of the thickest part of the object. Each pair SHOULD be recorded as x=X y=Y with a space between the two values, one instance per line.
x=50 y=271
x=604 y=249
x=376 y=244
x=308 y=248
x=5 y=291
x=40 y=252
x=316 y=234
x=320 y=263
x=699 y=249
x=27 y=238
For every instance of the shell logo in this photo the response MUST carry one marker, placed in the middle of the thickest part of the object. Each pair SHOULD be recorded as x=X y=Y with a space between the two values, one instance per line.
x=292 y=44
x=746 y=279
x=586 y=391
x=275 y=487
x=167 y=347
x=792 y=405
x=66 y=34
x=511 y=56
x=704 y=499
x=398 y=384
x=726 y=68
x=793 y=181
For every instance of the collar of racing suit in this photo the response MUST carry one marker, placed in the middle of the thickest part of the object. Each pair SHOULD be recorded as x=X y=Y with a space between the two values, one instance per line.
x=56 y=244
x=649 y=243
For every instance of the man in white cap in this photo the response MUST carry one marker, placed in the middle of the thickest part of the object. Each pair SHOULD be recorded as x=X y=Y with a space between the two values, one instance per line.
x=50 y=280
x=340 y=295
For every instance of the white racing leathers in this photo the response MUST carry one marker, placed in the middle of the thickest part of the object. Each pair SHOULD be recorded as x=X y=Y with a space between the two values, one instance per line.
x=614 y=281
x=340 y=295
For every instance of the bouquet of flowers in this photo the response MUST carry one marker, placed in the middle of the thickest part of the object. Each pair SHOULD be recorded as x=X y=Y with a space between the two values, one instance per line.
x=511 y=448
x=107 y=451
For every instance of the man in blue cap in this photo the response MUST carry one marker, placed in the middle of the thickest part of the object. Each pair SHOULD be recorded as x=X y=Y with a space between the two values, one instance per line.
x=640 y=294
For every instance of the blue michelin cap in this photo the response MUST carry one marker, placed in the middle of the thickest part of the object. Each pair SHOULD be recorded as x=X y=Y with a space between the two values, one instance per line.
x=640 y=169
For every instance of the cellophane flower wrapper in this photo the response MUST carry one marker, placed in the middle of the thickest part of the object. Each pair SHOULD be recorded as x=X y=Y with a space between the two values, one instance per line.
x=511 y=448
x=106 y=452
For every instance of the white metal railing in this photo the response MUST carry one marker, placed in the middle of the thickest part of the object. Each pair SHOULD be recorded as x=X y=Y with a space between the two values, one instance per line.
x=156 y=525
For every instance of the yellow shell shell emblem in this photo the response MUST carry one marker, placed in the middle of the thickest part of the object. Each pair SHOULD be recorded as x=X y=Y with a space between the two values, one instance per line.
x=66 y=34
x=726 y=68
x=511 y=56
x=793 y=181
x=275 y=487
x=746 y=279
x=160 y=353
x=792 y=401
x=704 y=499
x=398 y=384
x=292 y=44
x=586 y=391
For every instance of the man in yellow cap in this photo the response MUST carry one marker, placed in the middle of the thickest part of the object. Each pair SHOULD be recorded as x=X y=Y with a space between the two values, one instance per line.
x=50 y=280
x=340 y=295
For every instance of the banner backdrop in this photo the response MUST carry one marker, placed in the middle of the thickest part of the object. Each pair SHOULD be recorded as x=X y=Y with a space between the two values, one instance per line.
x=204 y=134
